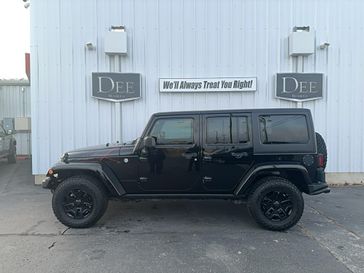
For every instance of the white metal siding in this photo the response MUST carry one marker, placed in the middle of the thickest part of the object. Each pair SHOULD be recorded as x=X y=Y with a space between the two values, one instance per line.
x=15 y=102
x=190 y=38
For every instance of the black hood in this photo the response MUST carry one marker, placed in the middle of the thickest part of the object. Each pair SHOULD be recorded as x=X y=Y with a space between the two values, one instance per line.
x=105 y=150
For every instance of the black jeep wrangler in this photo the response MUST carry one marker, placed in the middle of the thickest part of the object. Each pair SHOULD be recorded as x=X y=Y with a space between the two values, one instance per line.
x=267 y=157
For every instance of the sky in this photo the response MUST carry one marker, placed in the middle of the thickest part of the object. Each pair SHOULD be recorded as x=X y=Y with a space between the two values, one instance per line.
x=14 y=38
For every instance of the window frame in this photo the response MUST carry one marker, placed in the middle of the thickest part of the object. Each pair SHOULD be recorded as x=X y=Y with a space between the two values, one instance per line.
x=194 y=133
x=230 y=116
x=274 y=149
x=297 y=143
x=248 y=116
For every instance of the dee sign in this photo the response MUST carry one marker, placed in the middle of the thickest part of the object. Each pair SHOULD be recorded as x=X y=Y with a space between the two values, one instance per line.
x=116 y=86
x=299 y=86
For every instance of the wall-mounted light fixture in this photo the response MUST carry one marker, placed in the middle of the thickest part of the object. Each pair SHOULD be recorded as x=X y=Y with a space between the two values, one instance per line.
x=117 y=28
x=116 y=40
x=324 y=45
x=301 y=41
x=90 y=46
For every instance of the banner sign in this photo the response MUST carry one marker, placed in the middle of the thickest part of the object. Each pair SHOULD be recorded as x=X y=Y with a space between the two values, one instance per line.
x=208 y=85
x=299 y=86
x=116 y=86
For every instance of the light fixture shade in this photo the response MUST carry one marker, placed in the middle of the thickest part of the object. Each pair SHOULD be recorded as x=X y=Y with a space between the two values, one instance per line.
x=116 y=41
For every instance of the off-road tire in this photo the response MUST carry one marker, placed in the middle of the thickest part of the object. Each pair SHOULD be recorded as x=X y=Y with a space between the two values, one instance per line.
x=264 y=187
x=93 y=188
x=321 y=147
x=12 y=155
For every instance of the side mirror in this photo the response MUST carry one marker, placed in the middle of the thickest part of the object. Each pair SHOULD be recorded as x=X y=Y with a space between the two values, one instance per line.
x=149 y=142
x=9 y=132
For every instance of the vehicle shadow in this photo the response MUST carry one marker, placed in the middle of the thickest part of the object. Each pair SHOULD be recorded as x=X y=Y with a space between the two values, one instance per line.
x=175 y=216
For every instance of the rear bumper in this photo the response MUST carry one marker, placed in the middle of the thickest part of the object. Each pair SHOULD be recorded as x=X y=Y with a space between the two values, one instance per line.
x=321 y=187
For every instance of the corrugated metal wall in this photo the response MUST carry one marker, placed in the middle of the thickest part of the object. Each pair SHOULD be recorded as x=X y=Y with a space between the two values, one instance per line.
x=15 y=102
x=190 y=38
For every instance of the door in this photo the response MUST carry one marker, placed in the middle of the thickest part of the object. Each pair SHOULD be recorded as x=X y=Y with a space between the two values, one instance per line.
x=227 y=151
x=172 y=165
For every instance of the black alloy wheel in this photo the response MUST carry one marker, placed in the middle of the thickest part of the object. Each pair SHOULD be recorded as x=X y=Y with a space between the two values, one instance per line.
x=78 y=204
x=79 y=201
x=276 y=203
x=276 y=206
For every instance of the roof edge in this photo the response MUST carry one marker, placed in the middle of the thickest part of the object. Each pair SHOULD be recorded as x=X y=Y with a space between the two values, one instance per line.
x=14 y=82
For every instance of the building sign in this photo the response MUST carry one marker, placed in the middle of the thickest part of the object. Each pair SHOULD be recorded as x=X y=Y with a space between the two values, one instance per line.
x=116 y=86
x=208 y=85
x=299 y=86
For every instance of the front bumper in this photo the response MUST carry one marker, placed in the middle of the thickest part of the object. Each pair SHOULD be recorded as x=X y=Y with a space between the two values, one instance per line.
x=47 y=183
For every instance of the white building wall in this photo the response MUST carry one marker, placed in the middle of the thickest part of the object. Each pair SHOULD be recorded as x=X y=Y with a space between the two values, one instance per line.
x=15 y=102
x=190 y=38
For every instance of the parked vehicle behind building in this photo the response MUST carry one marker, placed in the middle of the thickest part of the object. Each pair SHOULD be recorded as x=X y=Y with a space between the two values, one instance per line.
x=267 y=157
x=7 y=145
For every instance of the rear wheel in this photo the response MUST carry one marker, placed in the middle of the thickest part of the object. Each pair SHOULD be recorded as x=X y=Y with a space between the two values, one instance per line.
x=79 y=202
x=276 y=203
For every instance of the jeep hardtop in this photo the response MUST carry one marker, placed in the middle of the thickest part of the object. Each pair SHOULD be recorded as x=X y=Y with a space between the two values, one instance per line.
x=267 y=157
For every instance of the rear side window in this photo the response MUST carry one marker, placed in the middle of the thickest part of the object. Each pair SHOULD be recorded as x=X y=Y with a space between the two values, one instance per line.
x=283 y=129
x=173 y=131
x=227 y=130
x=240 y=129
x=218 y=130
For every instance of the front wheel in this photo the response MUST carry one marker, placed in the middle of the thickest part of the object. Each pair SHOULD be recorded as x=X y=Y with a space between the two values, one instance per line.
x=276 y=204
x=79 y=202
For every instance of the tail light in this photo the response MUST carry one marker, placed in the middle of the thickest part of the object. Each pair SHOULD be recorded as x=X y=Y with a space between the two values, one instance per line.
x=320 y=160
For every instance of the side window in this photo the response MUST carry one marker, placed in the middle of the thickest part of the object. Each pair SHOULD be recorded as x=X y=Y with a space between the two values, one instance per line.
x=218 y=130
x=283 y=129
x=240 y=132
x=173 y=131
x=226 y=130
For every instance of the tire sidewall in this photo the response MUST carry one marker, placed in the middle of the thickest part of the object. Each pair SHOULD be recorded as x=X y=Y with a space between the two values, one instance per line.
x=283 y=186
x=88 y=186
x=12 y=155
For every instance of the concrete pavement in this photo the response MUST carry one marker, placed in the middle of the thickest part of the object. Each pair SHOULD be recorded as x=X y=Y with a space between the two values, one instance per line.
x=176 y=236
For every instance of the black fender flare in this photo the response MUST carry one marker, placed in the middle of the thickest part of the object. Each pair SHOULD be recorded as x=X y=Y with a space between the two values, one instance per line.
x=102 y=171
x=250 y=175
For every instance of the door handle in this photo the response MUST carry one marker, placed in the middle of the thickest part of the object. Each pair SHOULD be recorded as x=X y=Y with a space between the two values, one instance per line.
x=143 y=179
x=207 y=158
x=206 y=179
x=189 y=155
x=239 y=155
